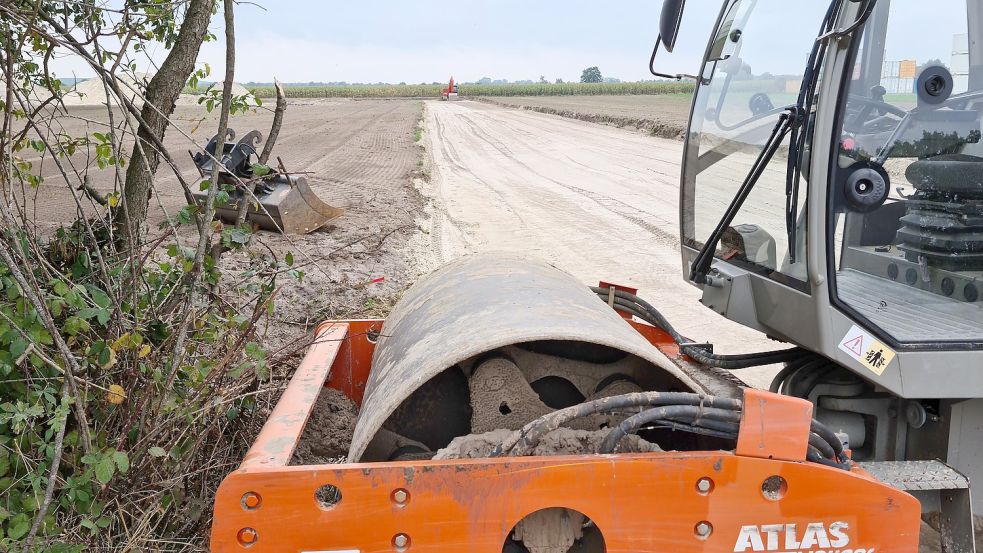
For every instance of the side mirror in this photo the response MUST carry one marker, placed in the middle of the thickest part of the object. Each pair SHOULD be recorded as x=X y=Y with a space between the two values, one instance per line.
x=672 y=16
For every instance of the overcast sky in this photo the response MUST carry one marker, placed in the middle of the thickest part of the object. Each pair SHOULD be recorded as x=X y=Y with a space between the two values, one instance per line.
x=430 y=40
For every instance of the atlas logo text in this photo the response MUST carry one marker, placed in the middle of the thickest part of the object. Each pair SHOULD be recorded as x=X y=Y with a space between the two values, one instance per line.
x=815 y=537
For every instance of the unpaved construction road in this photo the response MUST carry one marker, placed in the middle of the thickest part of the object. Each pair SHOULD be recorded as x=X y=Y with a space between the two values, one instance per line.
x=596 y=201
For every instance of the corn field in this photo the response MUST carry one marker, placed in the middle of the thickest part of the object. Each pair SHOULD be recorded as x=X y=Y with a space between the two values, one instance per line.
x=430 y=91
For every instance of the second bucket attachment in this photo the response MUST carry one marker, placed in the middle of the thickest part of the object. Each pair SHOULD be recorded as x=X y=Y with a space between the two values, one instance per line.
x=277 y=203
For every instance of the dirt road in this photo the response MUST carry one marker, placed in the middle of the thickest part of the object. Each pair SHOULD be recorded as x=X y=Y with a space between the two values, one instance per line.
x=598 y=202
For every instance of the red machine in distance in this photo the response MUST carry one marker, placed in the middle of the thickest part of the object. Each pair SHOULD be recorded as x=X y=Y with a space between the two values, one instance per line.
x=449 y=93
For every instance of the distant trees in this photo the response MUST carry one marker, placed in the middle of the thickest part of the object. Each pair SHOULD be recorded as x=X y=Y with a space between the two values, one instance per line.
x=930 y=63
x=591 y=75
x=559 y=81
x=542 y=79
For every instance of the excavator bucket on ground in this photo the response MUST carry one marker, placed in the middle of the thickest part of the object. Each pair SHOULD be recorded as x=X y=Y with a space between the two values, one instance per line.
x=277 y=203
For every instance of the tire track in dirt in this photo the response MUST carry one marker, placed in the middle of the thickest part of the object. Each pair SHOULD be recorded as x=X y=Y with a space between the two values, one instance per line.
x=615 y=206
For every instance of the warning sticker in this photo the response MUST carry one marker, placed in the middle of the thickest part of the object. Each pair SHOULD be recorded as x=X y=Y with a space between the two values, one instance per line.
x=869 y=352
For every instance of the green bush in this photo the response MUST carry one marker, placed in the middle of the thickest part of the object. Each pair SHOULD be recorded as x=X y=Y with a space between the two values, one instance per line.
x=140 y=411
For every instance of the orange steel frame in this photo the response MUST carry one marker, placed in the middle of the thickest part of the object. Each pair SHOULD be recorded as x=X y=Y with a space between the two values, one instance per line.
x=640 y=502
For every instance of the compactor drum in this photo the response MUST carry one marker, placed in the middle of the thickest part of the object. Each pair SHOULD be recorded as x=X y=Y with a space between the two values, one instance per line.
x=277 y=202
x=494 y=343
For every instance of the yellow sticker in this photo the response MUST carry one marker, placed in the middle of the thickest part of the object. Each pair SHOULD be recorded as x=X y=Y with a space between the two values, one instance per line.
x=863 y=347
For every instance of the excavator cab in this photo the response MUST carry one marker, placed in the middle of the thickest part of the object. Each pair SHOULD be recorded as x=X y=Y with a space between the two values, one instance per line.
x=832 y=197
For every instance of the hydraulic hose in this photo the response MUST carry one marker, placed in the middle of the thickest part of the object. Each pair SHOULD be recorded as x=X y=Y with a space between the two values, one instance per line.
x=531 y=434
x=814 y=456
x=830 y=438
x=642 y=309
x=817 y=441
x=688 y=412
x=713 y=429
x=807 y=364
x=711 y=419
x=671 y=412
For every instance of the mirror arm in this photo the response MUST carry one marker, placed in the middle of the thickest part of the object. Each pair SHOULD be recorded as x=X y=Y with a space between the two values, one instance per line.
x=677 y=76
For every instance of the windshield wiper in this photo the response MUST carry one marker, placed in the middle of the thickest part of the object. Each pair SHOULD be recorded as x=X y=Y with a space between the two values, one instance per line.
x=701 y=265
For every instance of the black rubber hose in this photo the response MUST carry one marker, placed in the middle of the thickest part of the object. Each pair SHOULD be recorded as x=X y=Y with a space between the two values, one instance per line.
x=814 y=456
x=645 y=311
x=657 y=318
x=741 y=362
x=732 y=430
x=718 y=416
x=830 y=437
x=813 y=373
x=719 y=426
x=784 y=374
x=712 y=425
x=671 y=412
x=630 y=308
x=806 y=363
x=533 y=432
x=817 y=441
x=704 y=429
x=738 y=361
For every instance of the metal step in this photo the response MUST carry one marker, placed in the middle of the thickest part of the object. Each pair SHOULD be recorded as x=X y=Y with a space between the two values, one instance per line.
x=917 y=475
x=940 y=488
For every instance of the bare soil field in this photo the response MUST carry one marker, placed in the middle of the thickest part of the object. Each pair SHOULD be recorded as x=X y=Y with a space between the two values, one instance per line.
x=663 y=115
x=360 y=156
x=348 y=146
